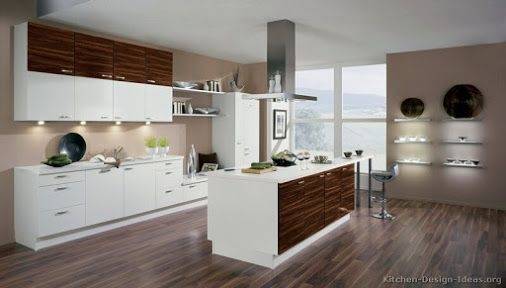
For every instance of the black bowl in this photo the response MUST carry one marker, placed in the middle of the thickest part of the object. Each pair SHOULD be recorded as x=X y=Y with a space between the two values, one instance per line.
x=359 y=152
x=347 y=154
x=73 y=145
x=283 y=162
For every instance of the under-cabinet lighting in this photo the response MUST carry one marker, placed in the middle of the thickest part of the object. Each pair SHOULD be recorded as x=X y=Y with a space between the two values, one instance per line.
x=41 y=122
x=118 y=122
x=148 y=122
x=83 y=123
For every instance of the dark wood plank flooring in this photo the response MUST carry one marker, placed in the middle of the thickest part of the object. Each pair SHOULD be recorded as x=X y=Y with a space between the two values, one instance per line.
x=425 y=239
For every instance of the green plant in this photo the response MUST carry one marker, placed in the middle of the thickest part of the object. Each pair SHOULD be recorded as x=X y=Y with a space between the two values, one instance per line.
x=150 y=142
x=163 y=142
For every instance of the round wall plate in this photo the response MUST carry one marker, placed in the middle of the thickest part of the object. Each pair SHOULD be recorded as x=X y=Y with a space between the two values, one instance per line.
x=463 y=101
x=412 y=107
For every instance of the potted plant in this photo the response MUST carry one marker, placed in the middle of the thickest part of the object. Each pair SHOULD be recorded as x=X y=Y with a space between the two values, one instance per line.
x=151 y=146
x=163 y=146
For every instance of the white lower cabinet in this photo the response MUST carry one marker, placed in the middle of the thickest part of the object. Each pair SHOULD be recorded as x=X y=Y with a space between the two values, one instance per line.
x=195 y=191
x=61 y=220
x=47 y=204
x=104 y=195
x=139 y=181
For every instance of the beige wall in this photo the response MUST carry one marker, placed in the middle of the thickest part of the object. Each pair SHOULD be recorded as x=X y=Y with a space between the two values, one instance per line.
x=428 y=75
x=28 y=144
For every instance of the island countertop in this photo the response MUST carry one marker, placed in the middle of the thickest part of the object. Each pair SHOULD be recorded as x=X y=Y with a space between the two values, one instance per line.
x=286 y=174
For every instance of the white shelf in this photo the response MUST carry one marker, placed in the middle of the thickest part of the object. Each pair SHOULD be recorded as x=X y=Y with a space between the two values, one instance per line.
x=462 y=165
x=181 y=99
x=462 y=120
x=461 y=142
x=397 y=141
x=400 y=120
x=196 y=115
x=414 y=162
x=188 y=90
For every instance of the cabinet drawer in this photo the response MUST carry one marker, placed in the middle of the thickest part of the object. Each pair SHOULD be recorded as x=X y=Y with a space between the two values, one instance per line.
x=168 y=196
x=348 y=171
x=60 y=178
x=168 y=178
x=195 y=191
x=60 y=196
x=175 y=165
x=61 y=220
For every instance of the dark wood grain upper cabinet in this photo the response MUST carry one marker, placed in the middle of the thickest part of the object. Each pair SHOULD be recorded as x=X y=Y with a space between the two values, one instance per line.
x=129 y=62
x=158 y=67
x=50 y=49
x=94 y=56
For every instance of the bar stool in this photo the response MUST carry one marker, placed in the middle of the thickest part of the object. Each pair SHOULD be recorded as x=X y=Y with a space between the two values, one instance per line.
x=384 y=177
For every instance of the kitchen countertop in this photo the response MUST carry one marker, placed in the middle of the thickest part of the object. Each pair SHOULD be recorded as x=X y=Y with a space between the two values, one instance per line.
x=286 y=174
x=42 y=169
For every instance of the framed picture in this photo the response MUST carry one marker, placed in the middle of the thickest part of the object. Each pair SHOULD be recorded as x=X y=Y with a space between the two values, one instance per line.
x=280 y=123
x=206 y=167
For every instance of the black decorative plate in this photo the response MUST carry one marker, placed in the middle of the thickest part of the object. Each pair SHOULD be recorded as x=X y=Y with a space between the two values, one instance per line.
x=412 y=107
x=73 y=145
x=463 y=101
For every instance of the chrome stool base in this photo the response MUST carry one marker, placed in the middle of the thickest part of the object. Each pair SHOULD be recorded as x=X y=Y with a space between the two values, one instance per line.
x=384 y=215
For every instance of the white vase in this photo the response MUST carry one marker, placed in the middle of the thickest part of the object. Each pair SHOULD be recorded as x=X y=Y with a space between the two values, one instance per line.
x=271 y=86
x=152 y=151
x=163 y=151
x=277 y=84
x=189 y=108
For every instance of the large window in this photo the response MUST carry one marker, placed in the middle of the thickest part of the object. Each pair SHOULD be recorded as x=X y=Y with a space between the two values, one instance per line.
x=350 y=113
x=364 y=111
x=314 y=121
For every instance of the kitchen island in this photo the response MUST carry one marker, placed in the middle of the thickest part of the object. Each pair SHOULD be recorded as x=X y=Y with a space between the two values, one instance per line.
x=267 y=218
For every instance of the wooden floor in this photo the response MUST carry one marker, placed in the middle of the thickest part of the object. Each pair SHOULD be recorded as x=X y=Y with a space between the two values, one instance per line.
x=172 y=251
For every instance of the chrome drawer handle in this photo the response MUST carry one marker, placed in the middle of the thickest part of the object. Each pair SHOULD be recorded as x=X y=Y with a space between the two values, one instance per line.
x=129 y=168
x=301 y=182
x=148 y=118
x=168 y=163
x=151 y=81
x=168 y=173
x=61 y=188
x=60 y=176
x=192 y=186
x=106 y=76
x=328 y=174
x=118 y=117
x=321 y=176
x=66 y=71
x=120 y=77
x=104 y=117
x=168 y=191
x=61 y=213
x=105 y=170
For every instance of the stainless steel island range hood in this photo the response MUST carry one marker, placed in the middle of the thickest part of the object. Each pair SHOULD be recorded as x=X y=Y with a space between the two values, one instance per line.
x=281 y=59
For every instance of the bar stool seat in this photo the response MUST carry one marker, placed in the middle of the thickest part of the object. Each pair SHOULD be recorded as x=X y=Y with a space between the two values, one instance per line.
x=384 y=177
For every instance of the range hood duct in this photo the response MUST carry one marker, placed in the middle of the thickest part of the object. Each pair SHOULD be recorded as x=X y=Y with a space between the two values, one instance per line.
x=281 y=59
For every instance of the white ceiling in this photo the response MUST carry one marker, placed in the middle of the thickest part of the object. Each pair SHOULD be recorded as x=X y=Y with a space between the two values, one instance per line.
x=327 y=31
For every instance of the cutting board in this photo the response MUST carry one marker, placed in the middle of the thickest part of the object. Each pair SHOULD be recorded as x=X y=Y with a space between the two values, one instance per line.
x=258 y=171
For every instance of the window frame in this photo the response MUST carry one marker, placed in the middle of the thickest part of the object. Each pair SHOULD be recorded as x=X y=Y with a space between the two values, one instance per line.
x=337 y=120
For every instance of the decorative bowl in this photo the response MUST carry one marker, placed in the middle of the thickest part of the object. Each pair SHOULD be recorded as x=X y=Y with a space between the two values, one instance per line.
x=322 y=159
x=475 y=162
x=462 y=138
x=347 y=154
x=359 y=152
x=185 y=84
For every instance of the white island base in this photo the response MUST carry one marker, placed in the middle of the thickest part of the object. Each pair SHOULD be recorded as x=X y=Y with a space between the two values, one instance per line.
x=267 y=218
x=269 y=260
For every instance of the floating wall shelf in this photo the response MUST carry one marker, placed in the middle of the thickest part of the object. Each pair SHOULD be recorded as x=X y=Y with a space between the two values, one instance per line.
x=461 y=142
x=413 y=162
x=188 y=90
x=461 y=120
x=181 y=99
x=397 y=141
x=196 y=115
x=462 y=165
x=401 y=120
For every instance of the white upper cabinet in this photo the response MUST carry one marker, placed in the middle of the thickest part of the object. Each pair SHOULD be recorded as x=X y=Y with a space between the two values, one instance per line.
x=48 y=97
x=129 y=101
x=158 y=103
x=94 y=99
